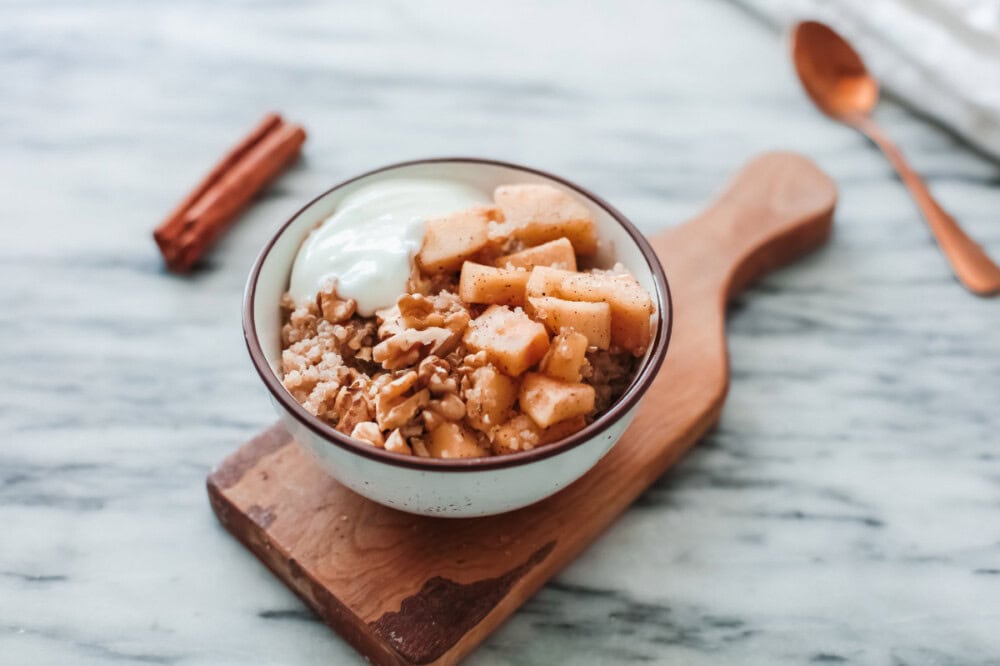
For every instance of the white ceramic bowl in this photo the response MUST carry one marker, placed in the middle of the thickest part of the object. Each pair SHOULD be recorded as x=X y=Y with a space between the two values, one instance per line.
x=464 y=487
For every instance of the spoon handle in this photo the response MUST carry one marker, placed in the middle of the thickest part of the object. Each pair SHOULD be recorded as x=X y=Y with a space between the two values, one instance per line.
x=969 y=262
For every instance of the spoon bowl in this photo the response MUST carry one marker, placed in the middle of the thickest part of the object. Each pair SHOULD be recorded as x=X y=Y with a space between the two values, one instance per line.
x=832 y=72
x=837 y=81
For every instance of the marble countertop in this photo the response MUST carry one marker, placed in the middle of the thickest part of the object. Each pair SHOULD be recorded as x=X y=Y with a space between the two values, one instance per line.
x=846 y=510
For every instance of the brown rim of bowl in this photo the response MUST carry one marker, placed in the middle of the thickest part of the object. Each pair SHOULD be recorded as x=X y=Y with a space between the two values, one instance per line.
x=633 y=394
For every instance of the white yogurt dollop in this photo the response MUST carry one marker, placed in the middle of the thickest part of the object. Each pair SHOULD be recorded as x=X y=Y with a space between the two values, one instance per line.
x=366 y=247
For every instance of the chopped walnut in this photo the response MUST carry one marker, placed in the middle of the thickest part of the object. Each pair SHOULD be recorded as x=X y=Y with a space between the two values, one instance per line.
x=431 y=419
x=397 y=444
x=390 y=322
x=470 y=362
x=369 y=432
x=449 y=407
x=395 y=387
x=335 y=310
x=352 y=406
x=402 y=412
x=419 y=447
x=406 y=348
x=392 y=409
x=419 y=312
x=412 y=429
x=435 y=373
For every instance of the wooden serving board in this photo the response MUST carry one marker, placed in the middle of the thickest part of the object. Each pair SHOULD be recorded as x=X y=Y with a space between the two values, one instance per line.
x=406 y=589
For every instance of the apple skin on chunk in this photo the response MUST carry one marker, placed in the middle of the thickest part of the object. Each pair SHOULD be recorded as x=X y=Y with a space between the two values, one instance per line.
x=511 y=339
x=536 y=214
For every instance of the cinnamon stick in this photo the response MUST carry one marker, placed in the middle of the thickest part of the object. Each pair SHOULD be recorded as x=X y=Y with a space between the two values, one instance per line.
x=202 y=216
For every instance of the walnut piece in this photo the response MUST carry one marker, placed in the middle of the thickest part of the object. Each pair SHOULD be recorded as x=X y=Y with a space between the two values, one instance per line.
x=397 y=444
x=336 y=310
x=407 y=347
x=367 y=431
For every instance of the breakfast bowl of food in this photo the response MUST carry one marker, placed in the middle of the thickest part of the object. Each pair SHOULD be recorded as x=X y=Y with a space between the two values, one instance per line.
x=457 y=337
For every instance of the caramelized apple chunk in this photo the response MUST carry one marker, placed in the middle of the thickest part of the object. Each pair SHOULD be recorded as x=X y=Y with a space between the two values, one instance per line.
x=631 y=306
x=592 y=320
x=546 y=281
x=511 y=339
x=453 y=238
x=486 y=284
x=536 y=213
x=451 y=440
x=522 y=434
x=555 y=254
x=548 y=401
x=566 y=356
x=489 y=398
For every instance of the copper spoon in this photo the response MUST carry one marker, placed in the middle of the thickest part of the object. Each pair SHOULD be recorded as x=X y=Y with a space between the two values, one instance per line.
x=835 y=77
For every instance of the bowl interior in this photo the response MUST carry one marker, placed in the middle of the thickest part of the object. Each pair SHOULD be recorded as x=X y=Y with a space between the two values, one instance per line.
x=275 y=262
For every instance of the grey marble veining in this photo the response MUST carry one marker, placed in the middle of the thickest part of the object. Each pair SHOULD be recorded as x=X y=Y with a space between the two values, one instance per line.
x=846 y=510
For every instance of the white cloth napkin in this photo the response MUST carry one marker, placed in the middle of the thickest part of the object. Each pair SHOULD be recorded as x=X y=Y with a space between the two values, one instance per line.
x=940 y=56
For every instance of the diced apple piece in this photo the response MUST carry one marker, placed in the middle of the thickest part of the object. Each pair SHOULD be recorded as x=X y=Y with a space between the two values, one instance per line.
x=545 y=281
x=451 y=239
x=486 y=284
x=631 y=306
x=548 y=401
x=511 y=339
x=566 y=356
x=518 y=434
x=557 y=254
x=489 y=398
x=592 y=320
x=451 y=440
x=522 y=434
x=536 y=213
x=563 y=429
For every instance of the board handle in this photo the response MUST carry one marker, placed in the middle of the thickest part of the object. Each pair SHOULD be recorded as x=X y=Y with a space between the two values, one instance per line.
x=778 y=207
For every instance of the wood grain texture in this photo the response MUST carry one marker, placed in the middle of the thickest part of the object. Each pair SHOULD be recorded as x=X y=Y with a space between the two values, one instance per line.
x=406 y=589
